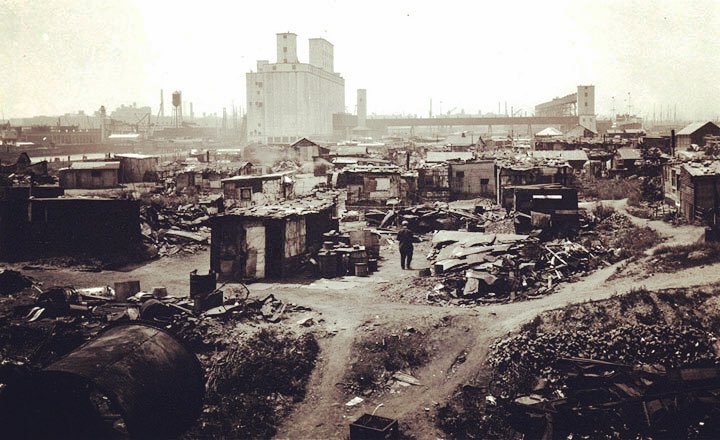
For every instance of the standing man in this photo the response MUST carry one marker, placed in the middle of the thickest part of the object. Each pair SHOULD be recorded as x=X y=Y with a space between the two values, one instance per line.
x=405 y=237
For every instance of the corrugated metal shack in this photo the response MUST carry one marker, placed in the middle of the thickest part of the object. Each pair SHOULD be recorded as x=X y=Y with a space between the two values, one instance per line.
x=206 y=181
x=269 y=241
x=549 y=207
x=373 y=185
x=433 y=184
x=137 y=167
x=472 y=179
x=700 y=191
x=245 y=191
x=90 y=175
x=35 y=228
x=527 y=171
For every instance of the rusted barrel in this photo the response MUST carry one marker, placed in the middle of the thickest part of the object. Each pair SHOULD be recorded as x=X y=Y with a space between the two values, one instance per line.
x=135 y=370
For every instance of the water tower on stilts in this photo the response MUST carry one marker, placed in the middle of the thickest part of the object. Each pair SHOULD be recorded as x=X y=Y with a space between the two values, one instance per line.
x=177 y=108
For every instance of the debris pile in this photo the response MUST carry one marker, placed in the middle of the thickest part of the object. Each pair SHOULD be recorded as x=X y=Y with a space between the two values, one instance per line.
x=519 y=359
x=427 y=218
x=12 y=282
x=40 y=328
x=484 y=267
x=500 y=267
x=167 y=231
x=605 y=399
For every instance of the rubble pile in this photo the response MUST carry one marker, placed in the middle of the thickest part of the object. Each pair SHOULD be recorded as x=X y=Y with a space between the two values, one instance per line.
x=500 y=267
x=611 y=400
x=254 y=382
x=519 y=360
x=439 y=216
x=531 y=370
x=167 y=231
x=12 y=282
x=485 y=267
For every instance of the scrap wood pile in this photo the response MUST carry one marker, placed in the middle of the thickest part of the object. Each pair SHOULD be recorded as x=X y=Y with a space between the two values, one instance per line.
x=426 y=218
x=168 y=231
x=500 y=267
x=600 y=392
x=485 y=267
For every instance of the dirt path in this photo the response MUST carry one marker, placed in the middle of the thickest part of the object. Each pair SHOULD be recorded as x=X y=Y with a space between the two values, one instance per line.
x=323 y=415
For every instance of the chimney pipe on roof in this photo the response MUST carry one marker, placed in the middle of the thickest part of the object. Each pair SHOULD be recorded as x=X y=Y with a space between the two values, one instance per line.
x=673 y=141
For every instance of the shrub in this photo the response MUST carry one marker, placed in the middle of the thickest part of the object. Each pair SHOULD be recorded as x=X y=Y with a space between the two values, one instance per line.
x=601 y=212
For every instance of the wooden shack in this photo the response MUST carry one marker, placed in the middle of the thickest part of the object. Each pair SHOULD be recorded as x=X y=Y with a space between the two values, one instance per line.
x=269 y=241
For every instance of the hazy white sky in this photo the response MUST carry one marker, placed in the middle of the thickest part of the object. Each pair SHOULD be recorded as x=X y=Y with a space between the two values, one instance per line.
x=61 y=56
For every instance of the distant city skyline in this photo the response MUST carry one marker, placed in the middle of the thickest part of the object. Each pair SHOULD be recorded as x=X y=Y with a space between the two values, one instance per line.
x=62 y=56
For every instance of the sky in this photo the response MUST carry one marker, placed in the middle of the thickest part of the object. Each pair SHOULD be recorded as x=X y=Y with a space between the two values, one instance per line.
x=61 y=56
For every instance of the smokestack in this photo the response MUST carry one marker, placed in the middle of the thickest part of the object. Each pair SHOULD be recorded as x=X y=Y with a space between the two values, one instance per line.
x=362 y=107
x=192 y=114
x=673 y=140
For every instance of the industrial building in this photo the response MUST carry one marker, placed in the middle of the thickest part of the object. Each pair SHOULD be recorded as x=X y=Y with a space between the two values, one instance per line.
x=289 y=99
x=580 y=104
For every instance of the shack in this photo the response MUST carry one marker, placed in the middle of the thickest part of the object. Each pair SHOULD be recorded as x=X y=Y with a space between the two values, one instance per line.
x=244 y=191
x=433 y=184
x=137 y=167
x=472 y=179
x=373 y=185
x=671 y=182
x=550 y=207
x=270 y=241
x=625 y=161
x=24 y=165
x=38 y=228
x=700 y=191
x=695 y=134
x=90 y=175
x=304 y=150
x=527 y=171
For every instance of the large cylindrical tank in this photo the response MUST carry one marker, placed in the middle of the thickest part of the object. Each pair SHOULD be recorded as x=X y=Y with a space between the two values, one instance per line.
x=137 y=371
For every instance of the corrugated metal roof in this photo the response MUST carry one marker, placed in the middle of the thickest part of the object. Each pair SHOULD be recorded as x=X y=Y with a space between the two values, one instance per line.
x=563 y=154
x=550 y=131
x=93 y=166
x=257 y=177
x=124 y=136
x=629 y=153
x=702 y=168
x=695 y=126
x=444 y=156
